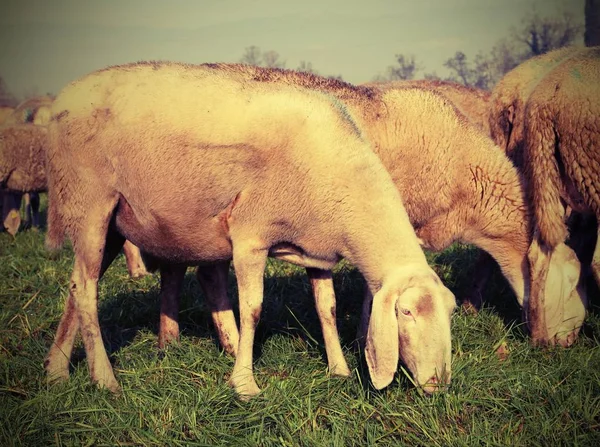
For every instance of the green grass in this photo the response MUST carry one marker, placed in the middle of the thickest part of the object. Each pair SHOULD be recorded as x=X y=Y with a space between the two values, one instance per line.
x=532 y=397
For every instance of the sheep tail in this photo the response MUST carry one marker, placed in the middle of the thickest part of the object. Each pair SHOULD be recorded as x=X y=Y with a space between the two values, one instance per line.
x=543 y=176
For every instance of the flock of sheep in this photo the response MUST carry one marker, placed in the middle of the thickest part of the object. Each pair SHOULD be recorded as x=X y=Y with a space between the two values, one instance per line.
x=201 y=165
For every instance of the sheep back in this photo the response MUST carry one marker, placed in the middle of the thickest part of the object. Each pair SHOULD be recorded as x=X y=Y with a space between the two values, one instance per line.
x=562 y=143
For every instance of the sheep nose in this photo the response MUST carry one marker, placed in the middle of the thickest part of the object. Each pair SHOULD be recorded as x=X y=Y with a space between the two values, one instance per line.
x=435 y=384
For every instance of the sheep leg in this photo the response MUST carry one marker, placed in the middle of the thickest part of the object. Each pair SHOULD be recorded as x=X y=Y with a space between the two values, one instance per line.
x=473 y=298
x=322 y=285
x=135 y=263
x=35 y=209
x=11 y=215
x=57 y=360
x=28 y=218
x=171 y=281
x=249 y=263
x=213 y=280
x=363 y=325
x=596 y=260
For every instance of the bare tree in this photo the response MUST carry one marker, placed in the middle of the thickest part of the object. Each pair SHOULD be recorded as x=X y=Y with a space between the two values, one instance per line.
x=271 y=60
x=543 y=34
x=592 y=23
x=252 y=56
x=306 y=67
x=406 y=69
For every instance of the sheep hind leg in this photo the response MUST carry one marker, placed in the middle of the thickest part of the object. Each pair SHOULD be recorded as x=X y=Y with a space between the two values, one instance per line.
x=213 y=280
x=322 y=285
x=90 y=260
x=133 y=258
x=171 y=282
x=58 y=358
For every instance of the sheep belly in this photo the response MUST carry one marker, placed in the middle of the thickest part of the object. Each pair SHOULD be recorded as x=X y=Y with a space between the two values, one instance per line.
x=185 y=237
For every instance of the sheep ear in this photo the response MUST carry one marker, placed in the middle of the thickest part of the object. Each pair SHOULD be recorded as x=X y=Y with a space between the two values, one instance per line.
x=381 y=348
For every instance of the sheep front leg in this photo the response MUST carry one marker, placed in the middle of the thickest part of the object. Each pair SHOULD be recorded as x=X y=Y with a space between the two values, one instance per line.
x=363 y=324
x=249 y=263
x=322 y=285
x=35 y=209
x=473 y=297
x=11 y=215
x=171 y=281
x=213 y=280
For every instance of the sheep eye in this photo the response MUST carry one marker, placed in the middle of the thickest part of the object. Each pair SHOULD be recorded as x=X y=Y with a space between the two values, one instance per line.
x=406 y=312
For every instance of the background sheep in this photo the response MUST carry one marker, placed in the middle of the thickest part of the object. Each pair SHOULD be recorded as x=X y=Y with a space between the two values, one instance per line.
x=562 y=151
x=273 y=170
x=26 y=111
x=472 y=102
x=37 y=111
x=22 y=153
x=508 y=98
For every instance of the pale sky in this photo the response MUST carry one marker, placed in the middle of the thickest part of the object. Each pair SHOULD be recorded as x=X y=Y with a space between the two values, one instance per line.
x=44 y=44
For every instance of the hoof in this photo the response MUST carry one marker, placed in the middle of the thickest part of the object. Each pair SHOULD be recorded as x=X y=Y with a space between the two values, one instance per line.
x=245 y=387
x=57 y=370
x=138 y=273
x=340 y=370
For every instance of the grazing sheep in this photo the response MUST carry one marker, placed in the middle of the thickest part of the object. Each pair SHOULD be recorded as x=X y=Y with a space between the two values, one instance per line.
x=472 y=102
x=562 y=153
x=22 y=153
x=37 y=111
x=273 y=171
x=508 y=98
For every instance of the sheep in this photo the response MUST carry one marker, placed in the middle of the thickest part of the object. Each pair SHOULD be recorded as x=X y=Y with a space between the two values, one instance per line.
x=21 y=169
x=34 y=110
x=275 y=170
x=477 y=195
x=509 y=96
x=561 y=146
x=472 y=102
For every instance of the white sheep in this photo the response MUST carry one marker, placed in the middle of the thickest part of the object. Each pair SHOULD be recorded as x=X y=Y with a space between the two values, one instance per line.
x=274 y=171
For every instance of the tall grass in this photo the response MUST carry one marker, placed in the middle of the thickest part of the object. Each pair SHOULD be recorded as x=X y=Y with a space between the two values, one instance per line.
x=504 y=392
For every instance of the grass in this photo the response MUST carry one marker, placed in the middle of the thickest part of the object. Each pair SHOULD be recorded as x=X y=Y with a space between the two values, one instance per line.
x=526 y=397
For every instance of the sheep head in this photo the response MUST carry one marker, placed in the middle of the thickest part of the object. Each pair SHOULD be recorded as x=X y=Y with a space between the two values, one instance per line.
x=557 y=302
x=410 y=320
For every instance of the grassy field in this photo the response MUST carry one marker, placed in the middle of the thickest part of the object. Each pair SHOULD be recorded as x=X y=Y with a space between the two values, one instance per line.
x=516 y=395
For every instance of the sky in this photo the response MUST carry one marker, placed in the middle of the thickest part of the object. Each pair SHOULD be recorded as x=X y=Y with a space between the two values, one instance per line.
x=44 y=44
